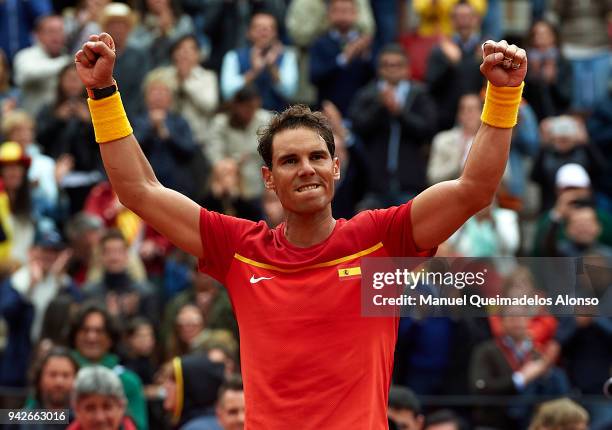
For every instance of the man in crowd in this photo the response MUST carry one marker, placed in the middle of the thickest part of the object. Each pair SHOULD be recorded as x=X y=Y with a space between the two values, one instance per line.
x=404 y=409
x=396 y=119
x=452 y=67
x=284 y=283
x=36 y=68
x=266 y=64
x=340 y=60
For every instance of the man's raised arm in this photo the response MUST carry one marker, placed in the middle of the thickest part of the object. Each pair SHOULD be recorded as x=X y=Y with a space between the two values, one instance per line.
x=169 y=212
x=441 y=209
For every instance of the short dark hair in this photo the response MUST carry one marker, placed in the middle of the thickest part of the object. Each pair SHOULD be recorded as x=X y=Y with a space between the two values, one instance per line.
x=39 y=366
x=404 y=398
x=443 y=416
x=298 y=116
x=246 y=94
x=110 y=326
x=112 y=234
x=393 y=48
x=231 y=383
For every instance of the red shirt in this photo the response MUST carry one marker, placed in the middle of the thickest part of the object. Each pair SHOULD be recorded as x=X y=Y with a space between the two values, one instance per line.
x=309 y=359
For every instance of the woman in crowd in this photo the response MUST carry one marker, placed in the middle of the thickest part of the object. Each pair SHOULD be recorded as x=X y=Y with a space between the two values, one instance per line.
x=64 y=129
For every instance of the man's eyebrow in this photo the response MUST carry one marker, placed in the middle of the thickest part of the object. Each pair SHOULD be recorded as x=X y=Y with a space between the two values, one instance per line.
x=319 y=152
x=286 y=156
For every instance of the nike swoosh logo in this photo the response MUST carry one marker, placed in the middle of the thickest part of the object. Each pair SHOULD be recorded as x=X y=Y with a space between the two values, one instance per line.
x=255 y=280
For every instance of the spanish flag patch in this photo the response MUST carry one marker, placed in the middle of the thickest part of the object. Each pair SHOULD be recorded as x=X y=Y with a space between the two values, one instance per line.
x=346 y=273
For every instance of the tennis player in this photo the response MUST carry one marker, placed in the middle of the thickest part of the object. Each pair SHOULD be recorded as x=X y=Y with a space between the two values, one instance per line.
x=309 y=359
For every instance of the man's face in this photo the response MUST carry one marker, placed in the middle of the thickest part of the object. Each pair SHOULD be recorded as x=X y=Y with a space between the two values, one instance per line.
x=583 y=226
x=342 y=15
x=96 y=412
x=56 y=381
x=242 y=113
x=92 y=340
x=303 y=171
x=515 y=326
x=230 y=410
x=406 y=419
x=51 y=35
x=465 y=19
x=393 y=68
x=114 y=256
x=262 y=32
x=12 y=175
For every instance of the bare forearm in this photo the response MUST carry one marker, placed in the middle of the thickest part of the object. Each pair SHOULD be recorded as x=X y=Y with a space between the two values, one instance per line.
x=486 y=162
x=128 y=170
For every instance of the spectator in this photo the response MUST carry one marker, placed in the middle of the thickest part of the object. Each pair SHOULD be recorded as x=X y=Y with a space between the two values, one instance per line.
x=582 y=230
x=188 y=324
x=124 y=297
x=17 y=20
x=131 y=63
x=81 y=21
x=511 y=365
x=99 y=401
x=585 y=36
x=548 y=86
x=197 y=93
x=306 y=22
x=10 y=96
x=443 y=419
x=37 y=68
x=586 y=353
x=564 y=140
x=560 y=414
x=64 y=129
x=163 y=23
x=266 y=64
x=435 y=17
x=354 y=176
x=492 y=232
x=191 y=384
x=18 y=126
x=225 y=193
x=24 y=300
x=234 y=135
x=340 y=60
x=453 y=65
x=230 y=405
x=600 y=130
x=52 y=382
x=572 y=190
x=92 y=337
x=17 y=221
x=165 y=136
x=450 y=148
x=404 y=409
x=140 y=355
x=395 y=117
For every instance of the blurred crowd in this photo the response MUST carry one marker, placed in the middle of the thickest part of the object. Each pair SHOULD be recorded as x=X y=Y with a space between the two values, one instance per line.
x=86 y=284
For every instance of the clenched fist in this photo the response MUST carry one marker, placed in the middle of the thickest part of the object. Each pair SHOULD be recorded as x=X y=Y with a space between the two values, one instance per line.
x=95 y=61
x=503 y=65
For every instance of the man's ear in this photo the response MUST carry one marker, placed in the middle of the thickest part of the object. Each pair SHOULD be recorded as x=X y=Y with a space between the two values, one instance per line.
x=268 y=179
x=336 y=168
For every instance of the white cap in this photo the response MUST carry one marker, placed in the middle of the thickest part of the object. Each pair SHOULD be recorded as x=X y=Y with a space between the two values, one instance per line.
x=572 y=175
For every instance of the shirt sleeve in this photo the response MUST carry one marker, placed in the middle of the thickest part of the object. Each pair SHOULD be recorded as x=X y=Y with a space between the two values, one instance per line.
x=395 y=228
x=220 y=235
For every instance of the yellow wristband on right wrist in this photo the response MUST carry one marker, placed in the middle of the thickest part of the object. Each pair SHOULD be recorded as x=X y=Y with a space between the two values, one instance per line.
x=501 y=105
x=109 y=119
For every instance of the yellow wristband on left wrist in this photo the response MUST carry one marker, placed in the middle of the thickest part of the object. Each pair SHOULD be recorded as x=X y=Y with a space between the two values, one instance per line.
x=501 y=105
x=109 y=119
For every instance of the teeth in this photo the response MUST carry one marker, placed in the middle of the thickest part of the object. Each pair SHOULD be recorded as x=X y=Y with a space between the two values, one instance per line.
x=308 y=187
